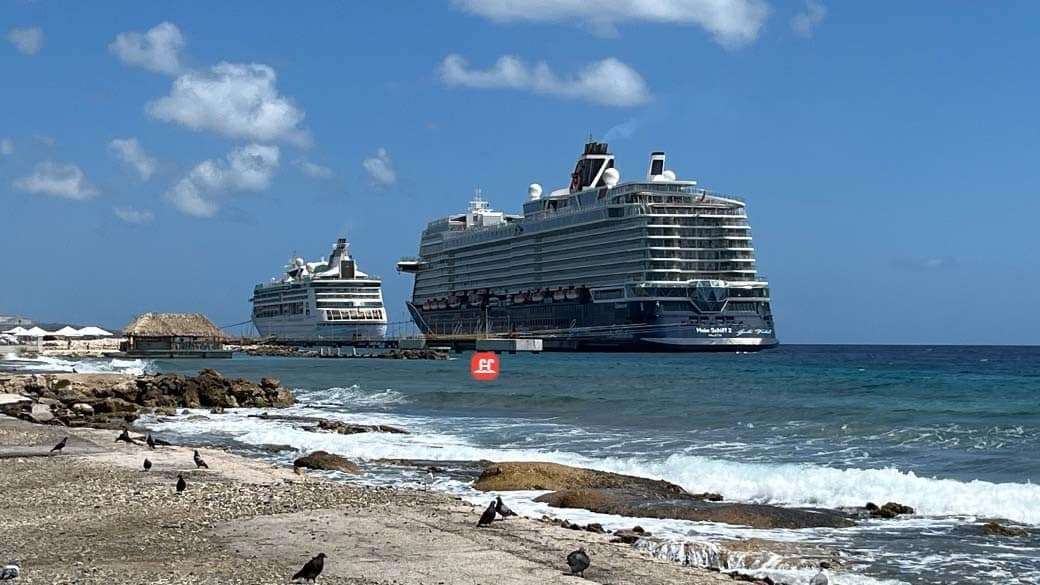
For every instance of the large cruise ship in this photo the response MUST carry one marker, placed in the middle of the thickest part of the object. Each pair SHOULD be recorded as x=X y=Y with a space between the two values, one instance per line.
x=653 y=264
x=324 y=300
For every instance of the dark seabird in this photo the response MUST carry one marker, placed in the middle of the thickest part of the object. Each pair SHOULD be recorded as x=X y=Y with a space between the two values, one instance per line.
x=125 y=437
x=150 y=441
x=312 y=569
x=60 y=445
x=821 y=578
x=198 y=461
x=578 y=561
x=488 y=516
x=147 y=464
x=502 y=509
x=9 y=571
x=181 y=484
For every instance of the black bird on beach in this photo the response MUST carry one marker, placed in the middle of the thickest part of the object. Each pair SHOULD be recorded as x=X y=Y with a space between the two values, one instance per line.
x=147 y=464
x=488 y=516
x=312 y=569
x=125 y=437
x=181 y=484
x=198 y=461
x=502 y=509
x=578 y=561
x=60 y=445
x=150 y=441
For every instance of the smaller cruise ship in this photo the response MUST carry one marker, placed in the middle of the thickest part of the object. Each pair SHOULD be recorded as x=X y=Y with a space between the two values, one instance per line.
x=321 y=301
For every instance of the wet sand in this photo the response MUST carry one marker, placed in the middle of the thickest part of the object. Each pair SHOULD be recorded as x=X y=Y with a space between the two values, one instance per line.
x=91 y=515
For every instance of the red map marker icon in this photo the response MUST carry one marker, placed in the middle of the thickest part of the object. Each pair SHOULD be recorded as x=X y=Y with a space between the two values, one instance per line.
x=484 y=365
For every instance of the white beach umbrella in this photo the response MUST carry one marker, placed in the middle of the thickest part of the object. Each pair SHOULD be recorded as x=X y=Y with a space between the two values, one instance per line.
x=19 y=330
x=37 y=332
x=94 y=332
x=67 y=331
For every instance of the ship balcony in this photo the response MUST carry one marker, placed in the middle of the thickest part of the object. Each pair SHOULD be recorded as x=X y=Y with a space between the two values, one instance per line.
x=411 y=264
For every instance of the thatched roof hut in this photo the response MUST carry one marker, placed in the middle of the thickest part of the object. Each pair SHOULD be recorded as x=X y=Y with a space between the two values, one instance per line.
x=173 y=325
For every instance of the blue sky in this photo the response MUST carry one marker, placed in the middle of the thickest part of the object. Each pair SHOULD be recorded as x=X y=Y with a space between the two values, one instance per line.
x=888 y=150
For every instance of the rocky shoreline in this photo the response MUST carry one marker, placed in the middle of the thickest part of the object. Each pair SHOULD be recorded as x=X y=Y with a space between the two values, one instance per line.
x=89 y=515
x=338 y=352
x=114 y=400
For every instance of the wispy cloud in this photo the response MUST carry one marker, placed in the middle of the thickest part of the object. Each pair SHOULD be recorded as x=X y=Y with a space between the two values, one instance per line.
x=129 y=150
x=157 y=49
x=380 y=169
x=732 y=23
x=804 y=23
x=28 y=41
x=249 y=168
x=134 y=216
x=925 y=264
x=57 y=179
x=609 y=82
x=313 y=169
x=234 y=100
x=6 y=147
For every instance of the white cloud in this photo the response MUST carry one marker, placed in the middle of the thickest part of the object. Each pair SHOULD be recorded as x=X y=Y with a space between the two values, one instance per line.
x=314 y=170
x=609 y=82
x=57 y=179
x=6 y=147
x=155 y=50
x=731 y=22
x=804 y=23
x=135 y=216
x=236 y=100
x=248 y=168
x=28 y=41
x=129 y=151
x=380 y=169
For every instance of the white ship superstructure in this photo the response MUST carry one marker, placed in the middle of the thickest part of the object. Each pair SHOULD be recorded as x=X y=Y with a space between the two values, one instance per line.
x=657 y=263
x=324 y=300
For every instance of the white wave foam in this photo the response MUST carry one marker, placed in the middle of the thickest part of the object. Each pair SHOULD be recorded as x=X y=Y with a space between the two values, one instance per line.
x=45 y=364
x=351 y=395
x=783 y=484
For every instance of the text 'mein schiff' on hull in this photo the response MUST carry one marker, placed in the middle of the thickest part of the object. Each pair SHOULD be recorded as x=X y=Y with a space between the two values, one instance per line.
x=653 y=264
x=323 y=300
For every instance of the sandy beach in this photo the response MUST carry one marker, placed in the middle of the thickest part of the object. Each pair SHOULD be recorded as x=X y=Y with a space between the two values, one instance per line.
x=92 y=515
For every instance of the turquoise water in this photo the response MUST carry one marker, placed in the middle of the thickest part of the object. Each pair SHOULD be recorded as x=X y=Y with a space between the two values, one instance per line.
x=952 y=431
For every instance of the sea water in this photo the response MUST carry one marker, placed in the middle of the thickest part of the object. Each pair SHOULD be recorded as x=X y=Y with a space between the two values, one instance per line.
x=953 y=432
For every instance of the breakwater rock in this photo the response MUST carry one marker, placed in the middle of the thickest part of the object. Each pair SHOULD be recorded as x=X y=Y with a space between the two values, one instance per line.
x=93 y=399
x=317 y=424
x=640 y=497
x=340 y=352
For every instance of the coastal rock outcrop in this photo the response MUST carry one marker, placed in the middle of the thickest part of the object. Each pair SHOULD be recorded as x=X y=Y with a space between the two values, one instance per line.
x=318 y=424
x=889 y=510
x=628 y=495
x=92 y=399
x=997 y=529
x=650 y=504
x=532 y=475
x=327 y=461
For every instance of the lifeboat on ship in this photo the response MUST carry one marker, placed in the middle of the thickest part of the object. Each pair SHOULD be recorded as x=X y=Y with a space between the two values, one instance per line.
x=572 y=294
x=476 y=300
x=537 y=297
x=518 y=299
x=558 y=295
x=426 y=305
x=454 y=302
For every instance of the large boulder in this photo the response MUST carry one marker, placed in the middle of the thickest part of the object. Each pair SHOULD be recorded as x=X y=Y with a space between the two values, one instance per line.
x=327 y=461
x=526 y=475
x=643 y=503
x=889 y=510
x=997 y=529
